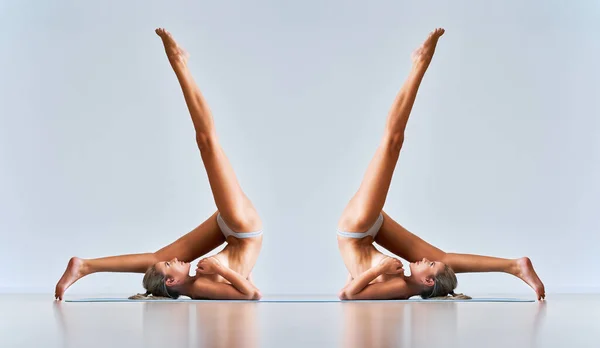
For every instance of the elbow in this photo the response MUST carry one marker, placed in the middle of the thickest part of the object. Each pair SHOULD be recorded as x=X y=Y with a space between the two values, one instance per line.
x=343 y=295
x=254 y=295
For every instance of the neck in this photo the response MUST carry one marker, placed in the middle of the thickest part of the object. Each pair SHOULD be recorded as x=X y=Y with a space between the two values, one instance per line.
x=414 y=286
x=185 y=288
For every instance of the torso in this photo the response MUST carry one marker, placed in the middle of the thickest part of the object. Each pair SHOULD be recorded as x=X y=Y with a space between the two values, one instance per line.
x=239 y=255
x=360 y=255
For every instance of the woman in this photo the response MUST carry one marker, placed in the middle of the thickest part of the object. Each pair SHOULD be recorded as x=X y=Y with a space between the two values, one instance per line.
x=376 y=276
x=223 y=276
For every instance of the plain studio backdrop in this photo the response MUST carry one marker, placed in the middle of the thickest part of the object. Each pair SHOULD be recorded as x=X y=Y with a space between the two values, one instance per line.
x=98 y=157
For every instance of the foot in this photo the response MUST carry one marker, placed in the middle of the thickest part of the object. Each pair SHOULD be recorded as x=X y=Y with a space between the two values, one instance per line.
x=525 y=271
x=424 y=53
x=173 y=50
x=75 y=270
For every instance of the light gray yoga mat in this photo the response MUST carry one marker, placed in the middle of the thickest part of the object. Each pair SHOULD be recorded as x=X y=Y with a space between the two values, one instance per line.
x=299 y=300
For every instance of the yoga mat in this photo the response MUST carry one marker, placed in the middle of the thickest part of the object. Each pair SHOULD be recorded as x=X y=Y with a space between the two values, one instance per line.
x=299 y=300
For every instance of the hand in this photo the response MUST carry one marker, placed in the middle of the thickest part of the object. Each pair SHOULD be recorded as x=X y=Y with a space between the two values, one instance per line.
x=208 y=265
x=391 y=265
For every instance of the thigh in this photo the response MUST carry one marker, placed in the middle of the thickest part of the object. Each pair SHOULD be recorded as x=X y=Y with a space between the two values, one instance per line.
x=403 y=243
x=364 y=207
x=200 y=241
x=233 y=204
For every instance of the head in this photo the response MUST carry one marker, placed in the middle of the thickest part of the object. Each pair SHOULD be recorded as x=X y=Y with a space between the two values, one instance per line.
x=437 y=278
x=164 y=279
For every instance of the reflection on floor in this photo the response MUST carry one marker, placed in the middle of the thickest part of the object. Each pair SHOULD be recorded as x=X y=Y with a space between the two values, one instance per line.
x=37 y=321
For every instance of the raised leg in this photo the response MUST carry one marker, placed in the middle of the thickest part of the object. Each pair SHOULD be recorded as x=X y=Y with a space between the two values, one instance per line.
x=364 y=207
x=235 y=208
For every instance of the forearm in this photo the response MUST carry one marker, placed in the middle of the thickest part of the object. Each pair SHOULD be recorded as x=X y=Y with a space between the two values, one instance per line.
x=240 y=283
x=360 y=282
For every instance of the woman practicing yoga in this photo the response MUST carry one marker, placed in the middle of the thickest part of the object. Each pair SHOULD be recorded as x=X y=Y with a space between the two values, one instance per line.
x=223 y=276
x=372 y=275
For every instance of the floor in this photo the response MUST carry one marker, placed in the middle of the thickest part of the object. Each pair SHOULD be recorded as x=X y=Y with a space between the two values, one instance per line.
x=38 y=321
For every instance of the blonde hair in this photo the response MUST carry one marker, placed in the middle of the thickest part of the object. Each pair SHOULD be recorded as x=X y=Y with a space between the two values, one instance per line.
x=155 y=284
x=444 y=284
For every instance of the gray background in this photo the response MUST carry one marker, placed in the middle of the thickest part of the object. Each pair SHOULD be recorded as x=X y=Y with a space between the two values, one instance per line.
x=97 y=151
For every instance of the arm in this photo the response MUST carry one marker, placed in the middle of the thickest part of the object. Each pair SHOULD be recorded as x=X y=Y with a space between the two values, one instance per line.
x=358 y=286
x=207 y=289
x=243 y=285
x=244 y=288
x=393 y=289
x=359 y=283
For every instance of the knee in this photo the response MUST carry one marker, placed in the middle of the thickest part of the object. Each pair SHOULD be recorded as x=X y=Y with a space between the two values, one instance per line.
x=243 y=222
x=394 y=141
x=356 y=223
x=205 y=141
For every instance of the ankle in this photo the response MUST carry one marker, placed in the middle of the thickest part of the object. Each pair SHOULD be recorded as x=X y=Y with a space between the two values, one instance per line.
x=420 y=66
x=513 y=267
x=85 y=268
x=177 y=61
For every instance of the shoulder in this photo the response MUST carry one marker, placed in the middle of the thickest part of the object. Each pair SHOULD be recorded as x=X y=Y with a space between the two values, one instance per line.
x=201 y=288
x=400 y=288
x=393 y=289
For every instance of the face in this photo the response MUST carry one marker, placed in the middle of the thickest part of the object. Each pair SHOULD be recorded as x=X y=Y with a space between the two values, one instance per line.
x=425 y=270
x=176 y=271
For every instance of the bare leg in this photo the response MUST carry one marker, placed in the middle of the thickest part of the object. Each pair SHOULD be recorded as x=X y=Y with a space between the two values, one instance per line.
x=235 y=208
x=363 y=209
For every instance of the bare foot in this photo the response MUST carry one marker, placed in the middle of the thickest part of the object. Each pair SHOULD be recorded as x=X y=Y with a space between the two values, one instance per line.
x=424 y=53
x=173 y=50
x=75 y=270
x=526 y=272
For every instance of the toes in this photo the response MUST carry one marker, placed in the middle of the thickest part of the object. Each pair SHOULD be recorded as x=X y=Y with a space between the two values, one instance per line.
x=161 y=31
x=438 y=32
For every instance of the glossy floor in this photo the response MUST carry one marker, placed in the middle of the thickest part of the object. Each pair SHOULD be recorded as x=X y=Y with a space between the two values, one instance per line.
x=37 y=321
